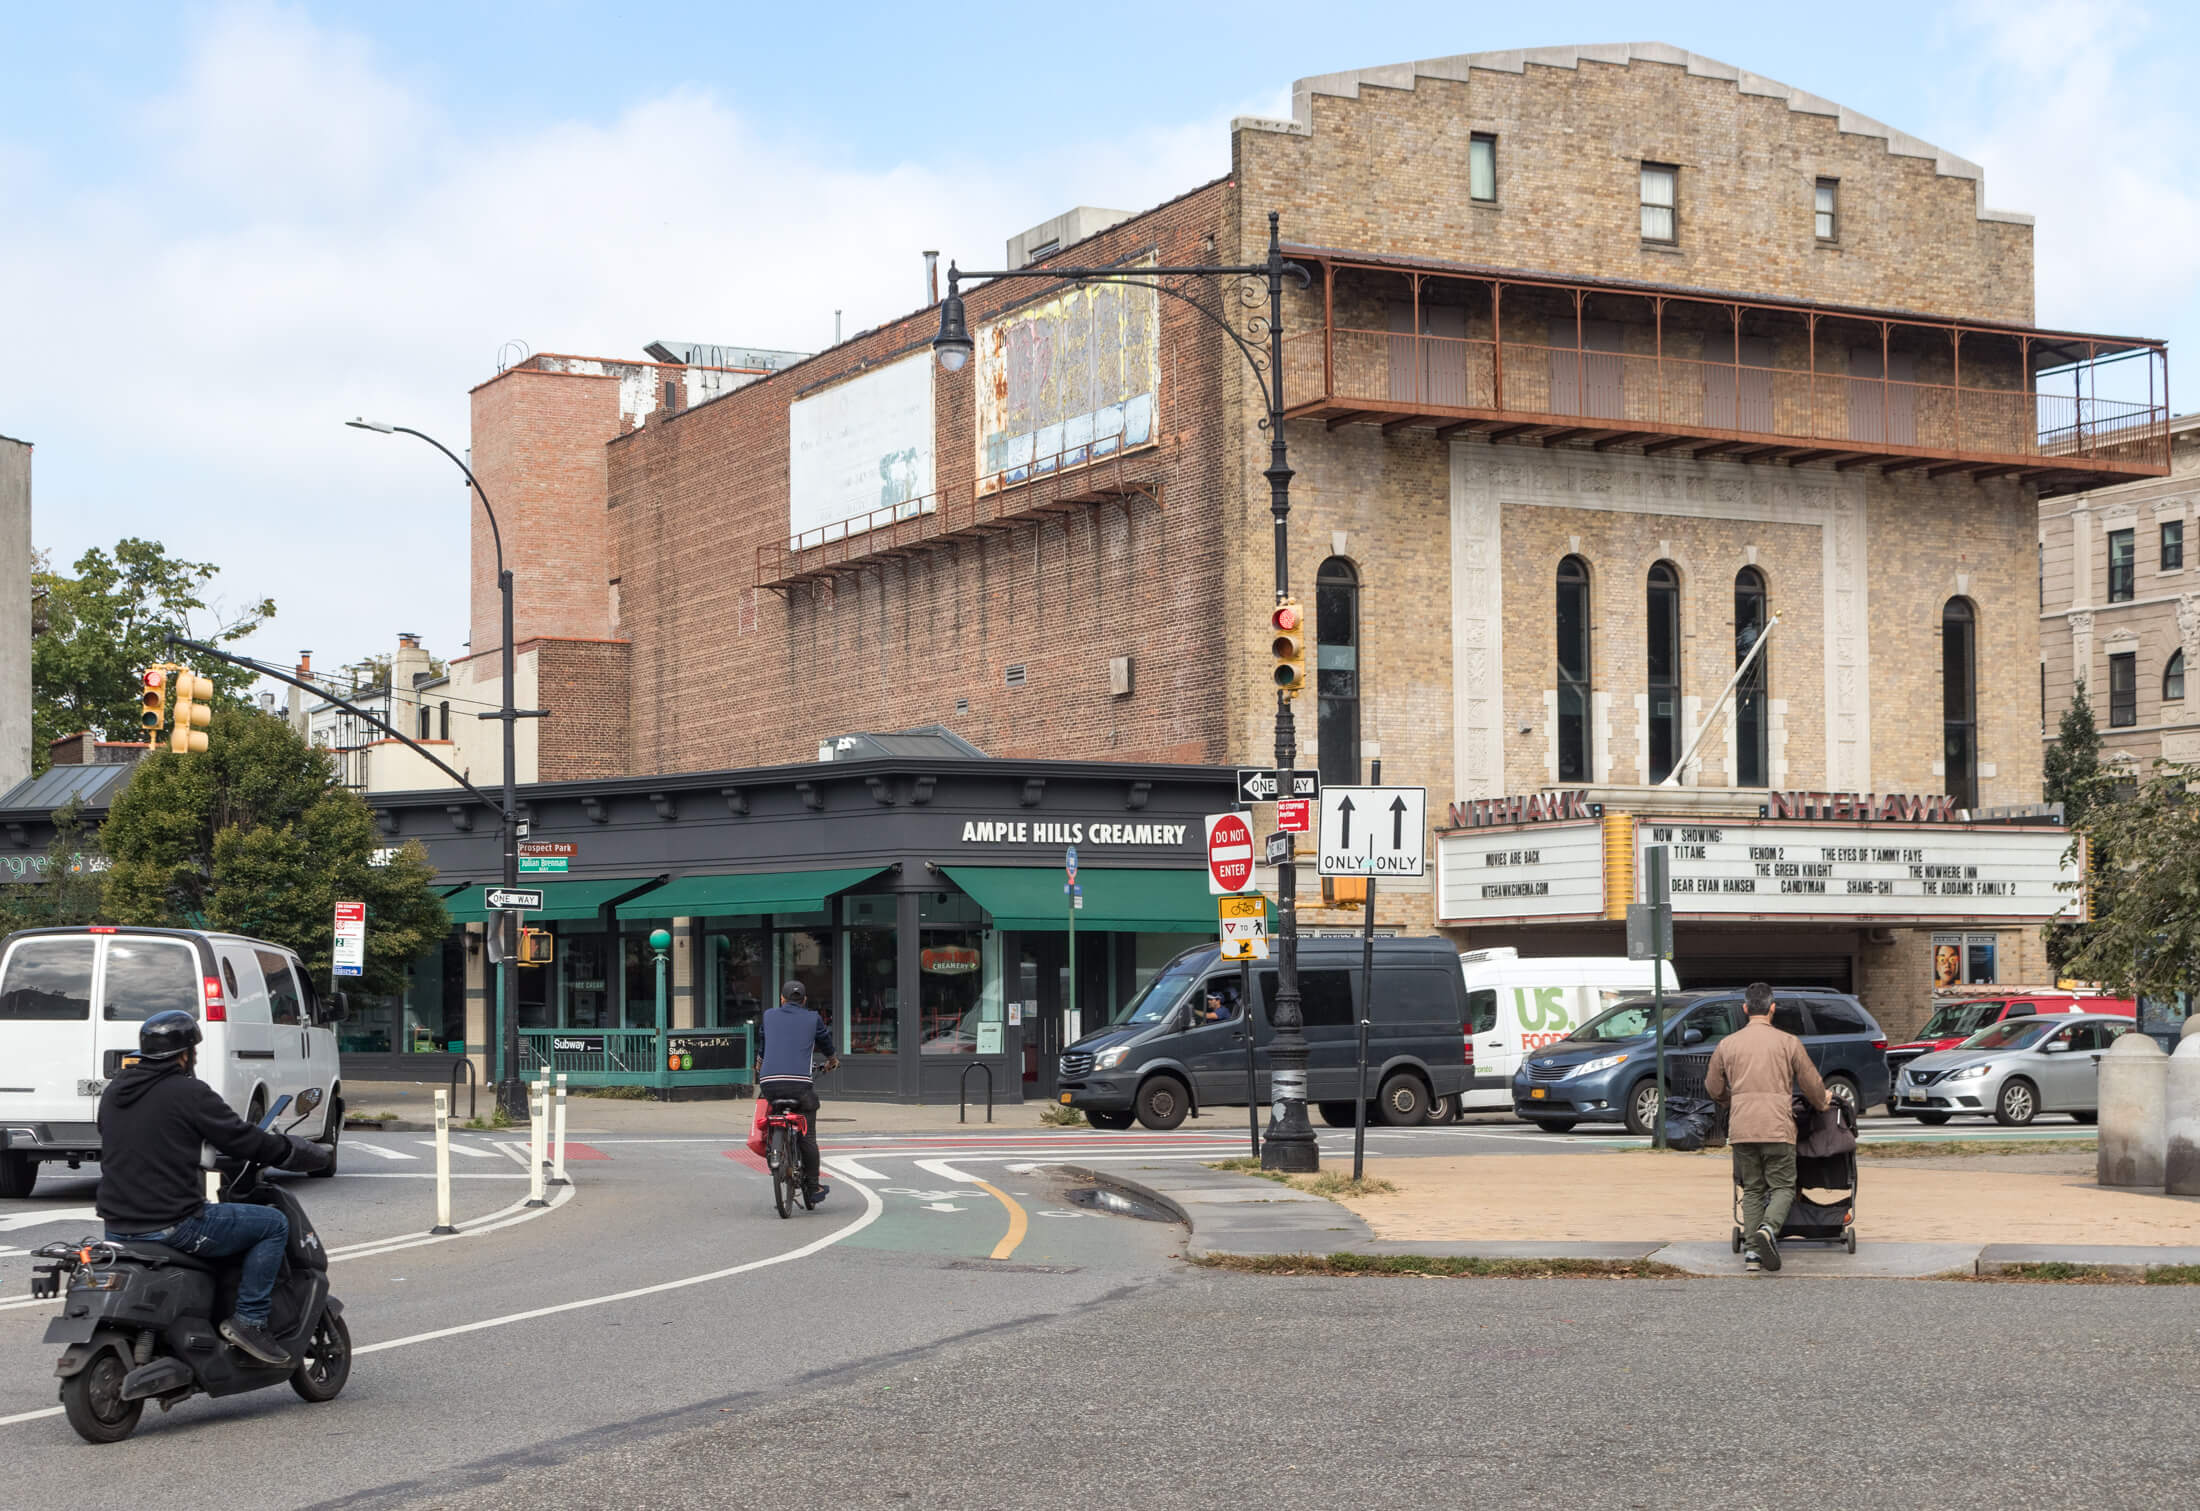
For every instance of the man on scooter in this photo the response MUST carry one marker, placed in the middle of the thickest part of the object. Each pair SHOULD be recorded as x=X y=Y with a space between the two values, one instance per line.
x=152 y=1118
x=790 y=1034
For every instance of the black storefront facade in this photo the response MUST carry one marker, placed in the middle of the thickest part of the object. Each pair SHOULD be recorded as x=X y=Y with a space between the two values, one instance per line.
x=921 y=902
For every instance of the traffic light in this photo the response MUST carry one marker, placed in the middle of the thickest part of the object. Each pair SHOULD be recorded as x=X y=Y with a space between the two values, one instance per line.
x=1287 y=645
x=191 y=713
x=153 y=706
x=535 y=946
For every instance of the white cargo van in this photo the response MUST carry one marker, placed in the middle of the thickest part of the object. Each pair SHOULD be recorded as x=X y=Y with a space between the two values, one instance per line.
x=1516 y=1005
x=71 y=1001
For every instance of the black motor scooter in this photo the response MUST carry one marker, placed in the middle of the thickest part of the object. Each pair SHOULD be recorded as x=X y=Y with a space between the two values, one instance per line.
x=139 y=1318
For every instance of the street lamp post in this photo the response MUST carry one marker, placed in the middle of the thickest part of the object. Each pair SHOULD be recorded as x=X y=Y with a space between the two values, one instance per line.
x=1289 y=1144
x=511 y=1089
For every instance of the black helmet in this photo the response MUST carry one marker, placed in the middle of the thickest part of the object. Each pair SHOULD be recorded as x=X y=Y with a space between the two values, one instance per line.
x=168 y=1035
x=794 y=991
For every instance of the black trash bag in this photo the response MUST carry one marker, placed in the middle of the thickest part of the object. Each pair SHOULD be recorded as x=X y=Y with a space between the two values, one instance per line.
x=1690 y=1122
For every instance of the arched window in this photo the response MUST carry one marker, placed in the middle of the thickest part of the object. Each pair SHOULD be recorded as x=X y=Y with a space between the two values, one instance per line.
x=1752 y=732
x=2173 y=678
x=1573 y=671
x=1337 y=670
x=1959 y=699
x=1663 y=605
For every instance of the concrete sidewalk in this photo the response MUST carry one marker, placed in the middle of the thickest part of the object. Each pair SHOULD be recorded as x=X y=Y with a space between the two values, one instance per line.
x=1242 y=1215
x=413 y=1102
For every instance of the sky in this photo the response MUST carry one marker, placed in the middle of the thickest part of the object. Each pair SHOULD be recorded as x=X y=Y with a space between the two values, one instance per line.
x=225 y=228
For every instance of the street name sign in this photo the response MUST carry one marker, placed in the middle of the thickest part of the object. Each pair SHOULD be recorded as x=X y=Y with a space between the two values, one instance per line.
x=350 y=956
x=1257 y=784
x=1244 y=925
x=548 y=856
x=514 y=899
x=1229 y=852
x=1373 y=831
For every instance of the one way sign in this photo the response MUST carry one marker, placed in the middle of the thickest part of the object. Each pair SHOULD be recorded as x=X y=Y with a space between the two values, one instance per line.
x=1373 y=831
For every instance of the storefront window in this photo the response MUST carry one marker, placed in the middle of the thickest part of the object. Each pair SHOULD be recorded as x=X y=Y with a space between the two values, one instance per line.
x=874 y=1005
x=733 y=973
x=584 y=980
x=537 y=997
x=950 y=975
x=808 y=955
x=1150 y=952
x=641 y=974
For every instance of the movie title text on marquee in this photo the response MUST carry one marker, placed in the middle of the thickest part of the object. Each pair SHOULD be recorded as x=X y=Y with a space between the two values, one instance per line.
x=1816 y=870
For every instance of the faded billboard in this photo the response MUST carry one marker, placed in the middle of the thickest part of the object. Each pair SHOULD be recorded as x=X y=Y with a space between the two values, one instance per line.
x=859 y=454
x=1067 y=382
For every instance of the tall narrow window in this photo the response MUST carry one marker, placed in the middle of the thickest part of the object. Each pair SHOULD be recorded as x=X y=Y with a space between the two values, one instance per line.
x=2173 y=678
x=1825 y=208
x=2123 y=690
x=1660 y=202
x=443 y=720
x=1664 y=617
x=1337 y=670
x=1482 y=167
x=2122 y=566
x=1959 y=700
x=1752 y=731
x=1573 y=670
x=2173 y=545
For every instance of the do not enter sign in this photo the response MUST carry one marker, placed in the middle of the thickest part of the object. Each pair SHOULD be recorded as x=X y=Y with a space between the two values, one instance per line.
x=1229 y=852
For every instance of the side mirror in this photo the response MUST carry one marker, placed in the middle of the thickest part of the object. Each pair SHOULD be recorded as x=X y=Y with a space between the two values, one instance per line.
x=338 y=1007
x=1691 y=1035
x=308 y=1099
x=2055 y=1047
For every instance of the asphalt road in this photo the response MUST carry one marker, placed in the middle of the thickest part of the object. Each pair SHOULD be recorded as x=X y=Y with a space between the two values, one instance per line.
x=954 y=1329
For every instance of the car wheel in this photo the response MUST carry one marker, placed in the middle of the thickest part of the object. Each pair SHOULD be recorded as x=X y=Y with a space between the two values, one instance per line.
x=2088 y=1119
x=18 y=1173
x=331 y=1140
x=1114 y=1122
x=2018 y=1103
x=1337 y=1114
x=1163 y=1103
x=1932 y=1119
x=1843 y=1090
x=1444 y=1110
x=1642 y=1108
x=1403 y=1101
x=1554 y=1125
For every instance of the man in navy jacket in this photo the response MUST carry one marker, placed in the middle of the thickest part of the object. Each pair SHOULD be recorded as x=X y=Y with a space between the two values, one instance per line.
x=786 y=1039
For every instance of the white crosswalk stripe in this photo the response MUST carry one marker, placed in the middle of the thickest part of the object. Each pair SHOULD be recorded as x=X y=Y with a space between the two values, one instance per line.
x=378 y=1149
x=460 y=1148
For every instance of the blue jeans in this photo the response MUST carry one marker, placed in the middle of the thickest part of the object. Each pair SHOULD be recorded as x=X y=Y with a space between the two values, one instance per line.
x=223 y=1230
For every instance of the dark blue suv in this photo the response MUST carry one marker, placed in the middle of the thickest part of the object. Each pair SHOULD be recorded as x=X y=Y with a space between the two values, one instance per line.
x=1606 y=1070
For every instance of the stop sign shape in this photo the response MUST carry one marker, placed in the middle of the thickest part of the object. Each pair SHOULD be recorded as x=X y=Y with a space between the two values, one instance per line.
x=1229 y=852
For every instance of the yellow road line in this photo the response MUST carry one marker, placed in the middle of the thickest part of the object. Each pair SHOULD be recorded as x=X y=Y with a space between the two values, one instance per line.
x=1018 y=1223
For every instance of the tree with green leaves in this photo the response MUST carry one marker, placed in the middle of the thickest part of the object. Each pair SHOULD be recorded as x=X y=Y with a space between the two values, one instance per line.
x=2072 y=777
x=108 y=622
x=256 y=836
x=2145 y=883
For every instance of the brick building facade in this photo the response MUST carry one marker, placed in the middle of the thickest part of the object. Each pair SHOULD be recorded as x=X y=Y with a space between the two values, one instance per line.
x=1600 y=345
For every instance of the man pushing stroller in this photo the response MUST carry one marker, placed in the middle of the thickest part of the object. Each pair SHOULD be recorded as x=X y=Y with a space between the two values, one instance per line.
x=1756 y=1074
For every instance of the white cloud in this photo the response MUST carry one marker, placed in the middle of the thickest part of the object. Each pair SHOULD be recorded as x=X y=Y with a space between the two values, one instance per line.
x=305 y=237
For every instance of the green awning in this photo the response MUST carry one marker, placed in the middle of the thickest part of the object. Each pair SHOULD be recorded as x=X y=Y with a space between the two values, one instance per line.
x=1030 y=898
x=761 y=892
x=562 y=901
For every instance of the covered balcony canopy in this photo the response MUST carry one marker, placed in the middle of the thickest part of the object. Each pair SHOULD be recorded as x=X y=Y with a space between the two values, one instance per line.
x=1603 y=363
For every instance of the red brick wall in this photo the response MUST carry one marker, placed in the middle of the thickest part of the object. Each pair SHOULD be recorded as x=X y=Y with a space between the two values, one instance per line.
x=725 y=674
x=584 y=683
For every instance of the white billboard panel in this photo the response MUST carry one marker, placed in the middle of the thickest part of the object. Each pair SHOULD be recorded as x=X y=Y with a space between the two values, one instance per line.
x=1068 y=381
x=1532 y=872
x=859 y=454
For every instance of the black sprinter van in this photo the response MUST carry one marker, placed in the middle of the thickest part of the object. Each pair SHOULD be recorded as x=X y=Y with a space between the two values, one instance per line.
x=1178 y=1047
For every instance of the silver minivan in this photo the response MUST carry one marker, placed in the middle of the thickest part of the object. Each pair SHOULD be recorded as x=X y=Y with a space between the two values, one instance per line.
x=71 y=1000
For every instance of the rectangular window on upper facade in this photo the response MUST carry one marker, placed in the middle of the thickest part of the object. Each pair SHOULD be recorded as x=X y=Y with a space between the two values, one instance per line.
x=2122 y=565
x=1826 y=209
x=1482 y=167
x=1660 y=202
x=2123 y=691
x=2173 y=545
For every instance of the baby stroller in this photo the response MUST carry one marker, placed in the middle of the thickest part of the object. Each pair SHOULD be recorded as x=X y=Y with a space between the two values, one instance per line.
x=1825 y=1163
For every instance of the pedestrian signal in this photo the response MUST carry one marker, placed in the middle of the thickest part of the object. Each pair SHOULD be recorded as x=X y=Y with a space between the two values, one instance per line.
x=535 y=946
x=1287 y=645
x=191 y=712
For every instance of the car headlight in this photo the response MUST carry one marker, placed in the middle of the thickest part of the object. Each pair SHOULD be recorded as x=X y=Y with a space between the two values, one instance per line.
x=1591 y=1067
x=1108 y=1059
x=1968 y=1073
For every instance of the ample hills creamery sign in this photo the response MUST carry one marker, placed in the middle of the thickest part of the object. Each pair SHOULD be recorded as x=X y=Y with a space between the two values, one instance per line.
x=1930 y=868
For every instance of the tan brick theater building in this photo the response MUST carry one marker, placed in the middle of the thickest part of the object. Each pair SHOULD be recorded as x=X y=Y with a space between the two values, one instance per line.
x=1610 y=357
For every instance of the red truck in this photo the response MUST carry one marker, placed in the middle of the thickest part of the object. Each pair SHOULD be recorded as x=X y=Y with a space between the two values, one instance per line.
x=1956 y=1018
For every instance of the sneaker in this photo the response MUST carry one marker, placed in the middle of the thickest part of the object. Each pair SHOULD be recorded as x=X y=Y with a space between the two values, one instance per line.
x=1768 y=1247
x=256 y=1342
x=1750 y=1266
x=815 y=1195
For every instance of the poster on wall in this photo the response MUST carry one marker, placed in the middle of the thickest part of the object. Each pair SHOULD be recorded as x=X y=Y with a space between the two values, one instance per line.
x=859 y=454
x=1964 y=960
x=1066 y=382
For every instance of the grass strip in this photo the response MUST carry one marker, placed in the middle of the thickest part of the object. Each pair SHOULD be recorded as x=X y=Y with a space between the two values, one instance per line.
x=2059 y=1272
x=1933 y=1149
x=1330 y=1183
x=1440 y=1266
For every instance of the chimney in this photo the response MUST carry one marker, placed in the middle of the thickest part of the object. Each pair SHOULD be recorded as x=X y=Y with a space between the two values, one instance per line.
x=931 y=278
x=298 y=698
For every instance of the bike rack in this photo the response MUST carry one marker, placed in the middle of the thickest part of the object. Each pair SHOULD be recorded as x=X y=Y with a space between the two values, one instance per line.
x=962 y=1101
x=473 y=1087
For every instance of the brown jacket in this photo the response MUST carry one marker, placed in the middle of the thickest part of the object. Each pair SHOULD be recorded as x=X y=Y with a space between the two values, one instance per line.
x=1757 y=1072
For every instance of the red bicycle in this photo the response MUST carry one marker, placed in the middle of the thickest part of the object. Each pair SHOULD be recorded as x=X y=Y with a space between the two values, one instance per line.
x=784 y=1126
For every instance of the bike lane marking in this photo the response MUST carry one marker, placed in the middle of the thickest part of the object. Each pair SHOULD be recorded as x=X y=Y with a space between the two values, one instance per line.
x=1019 y=1223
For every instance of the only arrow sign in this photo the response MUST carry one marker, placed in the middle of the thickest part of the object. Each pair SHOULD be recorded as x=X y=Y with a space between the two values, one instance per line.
x=1345 y=808
x=1397 y=823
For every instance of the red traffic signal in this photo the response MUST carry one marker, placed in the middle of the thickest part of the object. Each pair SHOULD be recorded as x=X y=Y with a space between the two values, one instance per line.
x=153 y=704
x=1287 y=645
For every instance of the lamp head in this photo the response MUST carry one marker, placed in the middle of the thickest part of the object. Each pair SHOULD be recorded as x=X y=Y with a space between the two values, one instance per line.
x=377 y=425
x=952 y=345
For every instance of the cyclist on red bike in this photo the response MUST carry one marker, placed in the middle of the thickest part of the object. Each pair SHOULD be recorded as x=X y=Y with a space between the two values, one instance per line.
x=786 y=1039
